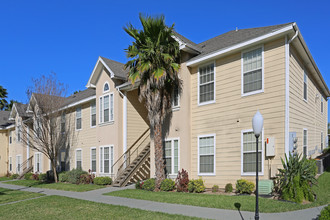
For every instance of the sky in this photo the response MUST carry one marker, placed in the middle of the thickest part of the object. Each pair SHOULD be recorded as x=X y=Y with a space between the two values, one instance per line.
x=67 y=37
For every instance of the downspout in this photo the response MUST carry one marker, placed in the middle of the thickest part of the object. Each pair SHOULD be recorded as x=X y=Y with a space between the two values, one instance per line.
x=287 y=91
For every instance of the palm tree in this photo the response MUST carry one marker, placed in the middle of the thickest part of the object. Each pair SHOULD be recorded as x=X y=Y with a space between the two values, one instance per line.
x=3 y=96
x=154 y=61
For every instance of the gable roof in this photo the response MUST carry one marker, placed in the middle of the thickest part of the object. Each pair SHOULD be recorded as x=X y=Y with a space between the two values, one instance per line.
x=186 y=44
x=4 y=119
x=79 y=97
x=117 y=68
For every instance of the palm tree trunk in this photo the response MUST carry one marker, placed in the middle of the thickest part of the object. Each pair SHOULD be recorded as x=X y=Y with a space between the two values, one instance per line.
x=159 y=160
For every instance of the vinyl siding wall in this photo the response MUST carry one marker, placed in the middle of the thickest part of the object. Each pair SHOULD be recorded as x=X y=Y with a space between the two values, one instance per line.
x=4 y=140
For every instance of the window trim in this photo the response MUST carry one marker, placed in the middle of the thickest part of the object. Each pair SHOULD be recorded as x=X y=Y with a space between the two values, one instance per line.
x=262 y=154
x=262 y=71
x=101 y=157
x=303 y=90
x=322 y=104
x=214 y=81
x=75 y=164
x=214 y=158
x=10 y=163
x=91 y=162
x=10 y=137
x=101 y=108
x=35 y=164
x=91 y=118
x=20 y=156
x=106 y=82
x=305 y=129
x=172 y=155
x=176 y=107
x=77 y=118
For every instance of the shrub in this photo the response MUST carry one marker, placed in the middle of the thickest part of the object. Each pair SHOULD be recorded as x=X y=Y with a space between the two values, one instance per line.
x=296 y=178
x=35 y=176
x=244 y=186
x=167 y=185
x=103 y=180
x=196 y=186
x=28 y=176
x=63 y=177
x=74 y=175
x=14 y=176
x=215 y=188
x=138 y=185
x=87 y=179
x=229 y=188
x=43 y=177
x=149 y=184
x=325 y=213
x=182 y=181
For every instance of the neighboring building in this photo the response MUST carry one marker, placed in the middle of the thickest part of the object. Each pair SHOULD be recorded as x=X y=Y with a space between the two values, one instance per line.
x=225 y=81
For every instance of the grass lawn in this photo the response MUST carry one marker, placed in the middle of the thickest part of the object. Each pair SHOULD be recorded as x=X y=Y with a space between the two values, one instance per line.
x=247 y=203
x=58 y=186
x=4 y=178
x=57 y=207
x=8 y=195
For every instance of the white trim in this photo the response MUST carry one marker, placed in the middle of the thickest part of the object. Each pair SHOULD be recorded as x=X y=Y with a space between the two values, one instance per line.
x=125 y=122
x=78 y=118
x=214 y=157
x=262 y=154
x=28 y=146
x=101 y=108
x=262 y=71
x=305 y=73
x=20 y=160
x=10 y=162
x=91 y=161
x=75 y=164
x=305 y=129
x=287 y=97
x=214 y=81
x=35 y=163
x=240 y=45
x=106 y=82
x=102 y=159
x=91 y=118
x=173 y=174
x=79 y=102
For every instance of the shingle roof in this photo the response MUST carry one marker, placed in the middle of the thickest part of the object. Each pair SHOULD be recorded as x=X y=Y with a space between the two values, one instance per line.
x=4 y=116
x=21 y=109
x=234 y=37
x=79 y=96
x=117 y=68
x=188 y=42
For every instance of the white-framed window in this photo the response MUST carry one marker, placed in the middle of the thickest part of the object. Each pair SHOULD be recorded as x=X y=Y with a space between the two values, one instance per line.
x=252 y=71
x=206 y=154
x=78 y=158
x=18 y=163
x=176 y=98
x=106 y=159
x=305 y=85
x=93 y=159
x=106 y=108
x=37 y=163
x=78 y=119
x=10 y=137
x=10 y=164
x=106 y=87
x=18 y=130
x=305 y=143
x=93 y=114
x=171 y=156
x=37 y=127
x=206 y=84
x=248 y=153
x=63 y=160
x=63 y=123
x=322 y=144
x=321 y=104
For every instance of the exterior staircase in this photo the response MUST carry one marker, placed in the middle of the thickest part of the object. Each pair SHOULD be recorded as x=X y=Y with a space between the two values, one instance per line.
x=26 y=167
x=134 y=164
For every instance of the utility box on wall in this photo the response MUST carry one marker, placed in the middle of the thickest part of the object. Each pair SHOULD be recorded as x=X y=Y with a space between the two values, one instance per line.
x=270 y=147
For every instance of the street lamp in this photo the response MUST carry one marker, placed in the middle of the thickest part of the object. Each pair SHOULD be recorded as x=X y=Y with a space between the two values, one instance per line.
x=257 y=123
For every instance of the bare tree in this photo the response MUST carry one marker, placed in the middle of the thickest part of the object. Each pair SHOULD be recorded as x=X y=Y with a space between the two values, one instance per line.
x=48 y=129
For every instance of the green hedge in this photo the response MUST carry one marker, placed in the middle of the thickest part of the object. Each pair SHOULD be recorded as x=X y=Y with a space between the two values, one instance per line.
x=167 y=185
x=74 y=175
x=196 y=186
x=28 y=176
x=149 y=184
x=103 y=180
x=63 y=177
x=243 y=186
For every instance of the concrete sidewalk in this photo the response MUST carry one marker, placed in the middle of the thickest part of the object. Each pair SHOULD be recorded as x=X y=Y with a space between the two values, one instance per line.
x=194 y=211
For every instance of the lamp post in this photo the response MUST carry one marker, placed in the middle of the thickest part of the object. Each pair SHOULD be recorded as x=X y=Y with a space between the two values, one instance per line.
x=257 y=124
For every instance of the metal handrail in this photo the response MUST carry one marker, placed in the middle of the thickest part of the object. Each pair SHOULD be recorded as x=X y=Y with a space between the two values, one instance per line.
x=29 y=160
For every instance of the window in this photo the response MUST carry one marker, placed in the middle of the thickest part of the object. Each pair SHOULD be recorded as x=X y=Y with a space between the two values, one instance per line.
x=18 y=163
x=176 y=98
x=10 y=137
x=171 y=156
x=206 y=154
x=321 y=104
x=106 y=108
x=63 y=159
x=18 y=130
x=37 y=162
x=305 y=143
x=63 y=123
x=206 y=83
x=36 y=127
x=249 y=153
x=305 y=86
x=252 y=71
x=106 y=159
x=93 y=159
x=93 y=114
x=78 y=159
x=10 y=164
x=321 y=141
x=106 y=87
x=78 y=118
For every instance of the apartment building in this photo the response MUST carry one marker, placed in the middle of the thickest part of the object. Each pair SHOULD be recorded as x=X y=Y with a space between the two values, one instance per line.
x=226 y=79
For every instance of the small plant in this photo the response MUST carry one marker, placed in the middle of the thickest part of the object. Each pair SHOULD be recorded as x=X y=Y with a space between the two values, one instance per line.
x=325 y=213
x=229 y=188
x=215 y=188
x=149 y=184
x=196 y=186
x=28 y=176
x=102 y=180
x=14 y=176
x=86 y=179
x=74 y=175
x=244 y=187
x=35 y=176
x=167 y=185
x=138 y=185
x=63 y=177
x=182 y=181
x=43 y=177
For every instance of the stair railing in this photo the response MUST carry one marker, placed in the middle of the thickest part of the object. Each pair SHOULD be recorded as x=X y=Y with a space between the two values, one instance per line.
x=129 y=155
x=26 y=165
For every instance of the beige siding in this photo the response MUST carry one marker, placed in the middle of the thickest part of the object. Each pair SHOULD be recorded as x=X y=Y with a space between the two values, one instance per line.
x=306 y=114
x=4 y=140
